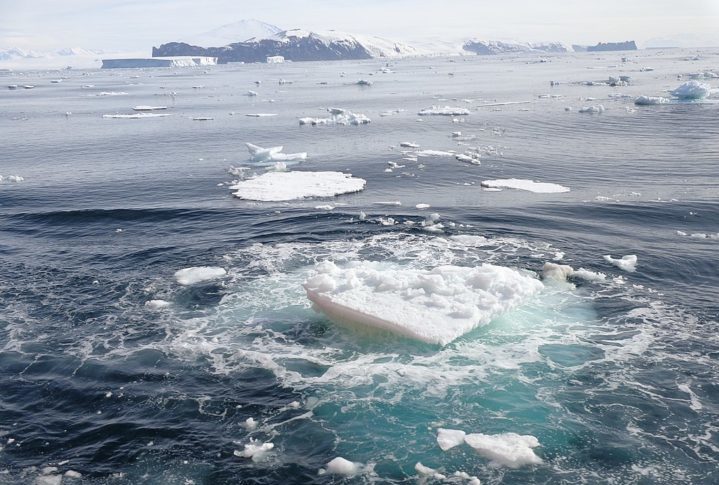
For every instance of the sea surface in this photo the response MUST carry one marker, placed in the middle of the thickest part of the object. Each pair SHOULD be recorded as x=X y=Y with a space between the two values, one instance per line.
x=618 y=380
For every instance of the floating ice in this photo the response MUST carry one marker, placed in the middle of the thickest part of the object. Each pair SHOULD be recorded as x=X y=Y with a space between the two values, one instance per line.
x=260 y=115
x=522 y=184
x=428 y=472
x=508 y=449
x=422 y=206
x=650 y=100
x=202 y=118
x=137 y=116
x=434 y=306
x=338 y=116
x=149 y=108
x=364 y=82
x=558 y=272
x=257 y=452
x=12 y=178
x=272 y=154
x=434 y=153
x=250 y=424
x=692 y=90
x=443 y=111
x=282 y=186
x=198 y=274
x=408 y=144
x=341 y=466
x=449 y=438
x=588 y=275
x=112 y=93
x=472 y=158
x=627 y=263
x=592 y=109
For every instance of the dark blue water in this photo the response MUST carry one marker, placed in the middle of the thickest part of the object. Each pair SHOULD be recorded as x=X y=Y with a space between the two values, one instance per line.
x=617 y=380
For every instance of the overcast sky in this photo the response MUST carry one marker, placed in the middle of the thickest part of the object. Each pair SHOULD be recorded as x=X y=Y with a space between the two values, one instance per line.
x=140 y=24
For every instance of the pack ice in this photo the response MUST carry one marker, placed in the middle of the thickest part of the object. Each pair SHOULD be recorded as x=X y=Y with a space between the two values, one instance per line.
x=435 y=306
x=282 y=186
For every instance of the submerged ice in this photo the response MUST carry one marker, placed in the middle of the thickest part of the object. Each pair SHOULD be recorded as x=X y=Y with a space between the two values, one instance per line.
x=435 y=306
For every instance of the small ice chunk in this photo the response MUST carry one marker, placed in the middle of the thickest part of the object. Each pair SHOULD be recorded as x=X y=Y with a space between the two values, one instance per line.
x=449 y=438
x=508 y=449
x=157 y=304
x=557 y=272
x=443 y=111
x=282 y=186
x=650 y=100
x=422 y=206
x=48 y=480
x=198 y=274
x=626 y=263
x=428 y=472
x=338 y=116
x=434 y=153
x=261 y=115
x=137 y=116
x=341 y=466
x=73 y=474
x=256 y=451
x=692 y=90
x=272 y=154
x=522 y=184
x=409 y=144
x=149 y=108
x=592 y=109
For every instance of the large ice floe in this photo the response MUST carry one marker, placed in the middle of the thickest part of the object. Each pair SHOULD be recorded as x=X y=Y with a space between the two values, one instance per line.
x=272 y=154
x=435 y=306
x=506 y=449
x=692 y=90
x=283 y=186
x=443 y=111
x=522 y=184
x=338 y=116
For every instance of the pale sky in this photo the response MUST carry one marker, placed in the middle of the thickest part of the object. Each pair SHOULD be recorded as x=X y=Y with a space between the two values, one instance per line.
x=124 y=25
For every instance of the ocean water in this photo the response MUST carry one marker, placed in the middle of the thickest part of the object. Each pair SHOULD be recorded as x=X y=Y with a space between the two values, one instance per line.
x=618 y=380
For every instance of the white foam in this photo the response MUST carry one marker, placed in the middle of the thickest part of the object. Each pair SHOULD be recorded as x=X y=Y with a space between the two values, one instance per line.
x=434 y=306
x=626 y=263
x=650 y=100
x=443 y=111
x=250 y=424
x=283 y=186
x=157 y=304
x=508 y=449
x=198 y=274
x=692 y=90
x=529 y=185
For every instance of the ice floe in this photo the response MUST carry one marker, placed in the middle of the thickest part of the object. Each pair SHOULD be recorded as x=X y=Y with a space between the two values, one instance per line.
x=650 y=100
x=137 y=116
x=198 y=274
x=562 y=272
x=506 y=449
x=692 y=90
x=522 y=184
x=12 y=178
x=592 y=109
x=443 y=111
x=261 y=115
x=434 y=306
x=626 y=263
x=149 y=108
x=338 y=116
x=272 y=154
x=283 y=186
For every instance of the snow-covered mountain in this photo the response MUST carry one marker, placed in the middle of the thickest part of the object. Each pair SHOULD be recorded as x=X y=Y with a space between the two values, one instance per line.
x=296 y=45
x=239 y=31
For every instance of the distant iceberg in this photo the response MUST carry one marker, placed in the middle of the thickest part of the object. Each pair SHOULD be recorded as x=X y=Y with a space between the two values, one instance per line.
x=176 y=61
